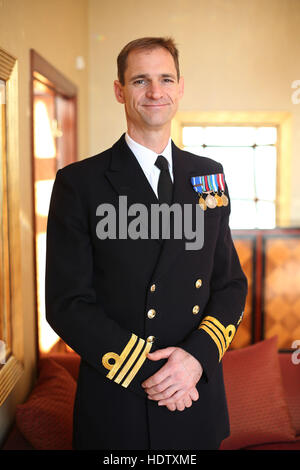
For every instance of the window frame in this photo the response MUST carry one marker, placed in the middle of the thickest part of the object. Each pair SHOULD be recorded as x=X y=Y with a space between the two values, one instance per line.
x=281 y=120
x=12 y=369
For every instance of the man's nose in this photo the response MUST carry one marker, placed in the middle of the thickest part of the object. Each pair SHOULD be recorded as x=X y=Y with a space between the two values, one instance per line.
x=154 y=91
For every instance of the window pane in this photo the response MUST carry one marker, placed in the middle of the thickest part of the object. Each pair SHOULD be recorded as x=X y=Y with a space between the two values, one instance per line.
x=43 y=190
x=266 y=214
x=266 y=135
x=43 y=139
x=192 y=135
x=250 y=170
x=196 y=150
x=265 y=172
x=229 y=135
x=238 y=166
x=48 y=336
x=243 y=214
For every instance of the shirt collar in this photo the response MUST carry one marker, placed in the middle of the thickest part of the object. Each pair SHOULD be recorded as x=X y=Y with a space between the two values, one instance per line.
x=146 y=157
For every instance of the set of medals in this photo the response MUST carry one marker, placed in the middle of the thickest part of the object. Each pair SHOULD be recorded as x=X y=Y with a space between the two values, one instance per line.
x=211 y=190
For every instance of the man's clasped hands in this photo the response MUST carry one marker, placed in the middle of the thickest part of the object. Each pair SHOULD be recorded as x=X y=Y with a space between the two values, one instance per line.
x=174 y=385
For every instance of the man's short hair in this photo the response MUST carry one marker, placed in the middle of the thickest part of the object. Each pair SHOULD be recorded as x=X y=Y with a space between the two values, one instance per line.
x=146 y=43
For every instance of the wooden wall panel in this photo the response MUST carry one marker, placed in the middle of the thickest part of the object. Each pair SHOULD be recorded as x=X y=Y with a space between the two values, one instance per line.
x=271 y=262
x=281 y=301
x=245 y=250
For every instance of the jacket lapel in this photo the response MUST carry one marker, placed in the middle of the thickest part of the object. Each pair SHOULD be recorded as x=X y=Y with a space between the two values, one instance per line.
x=128 y=179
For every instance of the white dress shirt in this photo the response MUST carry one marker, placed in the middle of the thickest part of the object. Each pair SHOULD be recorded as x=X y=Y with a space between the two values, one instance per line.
x=147 y=159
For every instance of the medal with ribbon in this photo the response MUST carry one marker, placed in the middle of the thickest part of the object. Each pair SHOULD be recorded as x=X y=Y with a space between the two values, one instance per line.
x=208 y=188
x=214 y=184
x=221 y=184
x=198 y=187
x=210 y=199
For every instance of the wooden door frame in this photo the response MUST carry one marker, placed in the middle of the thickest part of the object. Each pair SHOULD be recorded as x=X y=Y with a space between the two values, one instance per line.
x=13 y=367
x=46 y=73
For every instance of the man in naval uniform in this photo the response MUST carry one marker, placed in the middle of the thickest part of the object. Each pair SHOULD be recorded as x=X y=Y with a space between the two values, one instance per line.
x=150 y=319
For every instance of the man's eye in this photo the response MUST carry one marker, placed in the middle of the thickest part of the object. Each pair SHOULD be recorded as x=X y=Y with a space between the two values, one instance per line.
x=168 y=80
x=140 y=81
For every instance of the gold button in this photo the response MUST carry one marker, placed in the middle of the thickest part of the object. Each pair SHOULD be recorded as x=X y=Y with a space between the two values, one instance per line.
x=198 y=283
x=150 y=339
x=151 y=313
x=153 y=287
x=196 y=309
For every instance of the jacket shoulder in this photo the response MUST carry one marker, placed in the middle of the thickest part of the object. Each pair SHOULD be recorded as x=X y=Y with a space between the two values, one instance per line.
x=87 y=167
x=209 y=164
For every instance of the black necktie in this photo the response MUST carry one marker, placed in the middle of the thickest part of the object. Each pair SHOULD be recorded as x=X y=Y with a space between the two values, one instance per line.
x=165 y=185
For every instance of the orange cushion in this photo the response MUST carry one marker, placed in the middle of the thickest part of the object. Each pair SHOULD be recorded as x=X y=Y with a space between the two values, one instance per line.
x=46 y=419
x=257 y=408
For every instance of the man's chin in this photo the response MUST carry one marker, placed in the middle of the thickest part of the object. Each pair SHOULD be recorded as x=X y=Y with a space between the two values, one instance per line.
x=157 y=121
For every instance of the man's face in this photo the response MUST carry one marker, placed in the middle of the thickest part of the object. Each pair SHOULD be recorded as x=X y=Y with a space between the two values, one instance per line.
x=151 y=92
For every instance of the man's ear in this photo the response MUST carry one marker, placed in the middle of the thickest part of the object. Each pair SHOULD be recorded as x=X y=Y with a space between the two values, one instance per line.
x=118 y=88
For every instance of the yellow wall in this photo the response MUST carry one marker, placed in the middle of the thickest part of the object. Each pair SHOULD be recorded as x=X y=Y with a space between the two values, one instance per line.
x=57 y=30
x=239 y=55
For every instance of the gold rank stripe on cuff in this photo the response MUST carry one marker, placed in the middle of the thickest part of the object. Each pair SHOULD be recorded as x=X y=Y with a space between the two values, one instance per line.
x=126 y=359
x=214 y=338
x=217 y=332
x=138 y=365
x=221 y=336
x=130 y=361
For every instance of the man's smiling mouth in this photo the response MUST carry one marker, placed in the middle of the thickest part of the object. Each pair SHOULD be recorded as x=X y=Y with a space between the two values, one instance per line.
x=155 y=105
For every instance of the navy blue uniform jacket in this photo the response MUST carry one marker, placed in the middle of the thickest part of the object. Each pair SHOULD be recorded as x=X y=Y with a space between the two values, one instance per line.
x=99 y=294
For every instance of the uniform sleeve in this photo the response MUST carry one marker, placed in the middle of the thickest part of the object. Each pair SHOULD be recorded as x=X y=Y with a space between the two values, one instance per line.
x=72 y=307
x=224 y=310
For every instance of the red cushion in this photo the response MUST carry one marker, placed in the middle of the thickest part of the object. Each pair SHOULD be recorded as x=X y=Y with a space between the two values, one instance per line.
x=291 y=382
x=70 y=361
x=46 y=419
x=16 y=441
x=291 y=445
x=257 y=408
